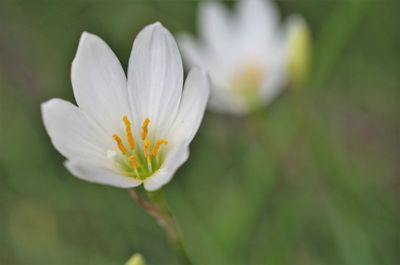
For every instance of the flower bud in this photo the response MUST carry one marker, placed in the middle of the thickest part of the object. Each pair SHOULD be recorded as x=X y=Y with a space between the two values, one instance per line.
x=299 y=50
x=136 y=259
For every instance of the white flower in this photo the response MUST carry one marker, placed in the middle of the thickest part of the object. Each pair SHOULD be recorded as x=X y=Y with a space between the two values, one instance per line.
x=244 y=53
x=128 y=131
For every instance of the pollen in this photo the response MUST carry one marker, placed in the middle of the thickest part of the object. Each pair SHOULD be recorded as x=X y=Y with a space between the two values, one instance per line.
x=128 y=130
x=157 y=146
x=145 y=129
x=121 y=146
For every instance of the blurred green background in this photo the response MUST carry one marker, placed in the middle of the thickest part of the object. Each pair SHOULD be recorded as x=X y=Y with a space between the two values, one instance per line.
x=313 y=178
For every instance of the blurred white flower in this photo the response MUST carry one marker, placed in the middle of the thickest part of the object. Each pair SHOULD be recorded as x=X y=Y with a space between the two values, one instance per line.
x=245 y=53
x=128 y=131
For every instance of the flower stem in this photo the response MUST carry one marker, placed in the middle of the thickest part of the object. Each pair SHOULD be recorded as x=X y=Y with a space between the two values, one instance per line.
x=156 y=207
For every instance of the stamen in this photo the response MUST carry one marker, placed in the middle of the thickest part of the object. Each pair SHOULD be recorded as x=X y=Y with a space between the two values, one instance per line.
x=134 y=161
x=145 y=129
x=156 y=147
x=149 y=149
x=149 y=164
x=146 y=148
x=147 y=153
x=129 y=134
x=135 y=164
x=121 y=146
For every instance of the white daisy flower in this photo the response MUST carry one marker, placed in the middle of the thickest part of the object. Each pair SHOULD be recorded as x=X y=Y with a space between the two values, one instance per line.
x=128 y=131
x=245 y=53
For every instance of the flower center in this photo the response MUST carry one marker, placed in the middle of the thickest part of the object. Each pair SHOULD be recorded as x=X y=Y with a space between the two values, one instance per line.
x=138 y=160
x=247 y=81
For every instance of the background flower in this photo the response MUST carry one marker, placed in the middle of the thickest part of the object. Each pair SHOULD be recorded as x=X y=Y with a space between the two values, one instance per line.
x=246 y=52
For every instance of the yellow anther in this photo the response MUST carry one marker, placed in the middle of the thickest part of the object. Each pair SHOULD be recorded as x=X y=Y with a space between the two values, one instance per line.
x=157 y=146
x=145 y=129
x=147 y=153
x=129 y=134
x=121 y=146
x=134 y=162
x=146 y=148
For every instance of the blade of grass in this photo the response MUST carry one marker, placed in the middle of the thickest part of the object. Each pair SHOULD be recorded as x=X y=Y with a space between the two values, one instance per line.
x=334 y=36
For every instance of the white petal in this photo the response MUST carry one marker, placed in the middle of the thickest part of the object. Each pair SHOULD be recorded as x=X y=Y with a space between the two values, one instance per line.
x=100 y=175
x=274 y=83
x=225 y=103
x=216 y=29
x=192 y=107
x=99 y=83
x=72 y=134
x=191 y=52
x=174 y=160
x=196 y=55
x=276 y=72
x=253 y=14
x=155 y=77
x=257 y=23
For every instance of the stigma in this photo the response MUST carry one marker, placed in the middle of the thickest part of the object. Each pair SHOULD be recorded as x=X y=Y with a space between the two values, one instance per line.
x=138 y=160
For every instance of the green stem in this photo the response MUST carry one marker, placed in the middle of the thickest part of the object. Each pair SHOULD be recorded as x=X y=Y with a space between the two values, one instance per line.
x=157 y=207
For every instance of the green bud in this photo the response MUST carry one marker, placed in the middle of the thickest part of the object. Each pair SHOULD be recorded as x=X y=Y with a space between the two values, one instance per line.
x=299 y=50
x=136 y=259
